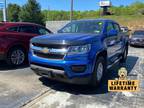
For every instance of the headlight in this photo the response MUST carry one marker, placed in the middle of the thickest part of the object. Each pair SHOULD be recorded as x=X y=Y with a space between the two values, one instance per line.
x=79 y=49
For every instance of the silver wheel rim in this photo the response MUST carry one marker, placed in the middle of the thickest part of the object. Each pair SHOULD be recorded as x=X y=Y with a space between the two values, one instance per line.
x=99 y=71
x=17 y=57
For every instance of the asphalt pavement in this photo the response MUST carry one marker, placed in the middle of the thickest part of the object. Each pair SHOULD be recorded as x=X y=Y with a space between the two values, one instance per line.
x=20 y=87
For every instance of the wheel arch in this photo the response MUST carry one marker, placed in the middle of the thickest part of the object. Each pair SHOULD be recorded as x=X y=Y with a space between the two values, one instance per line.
x=102 y=53
x=17 y=45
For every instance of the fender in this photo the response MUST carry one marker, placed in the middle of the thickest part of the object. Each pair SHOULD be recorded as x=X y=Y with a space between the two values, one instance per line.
x=96 y=56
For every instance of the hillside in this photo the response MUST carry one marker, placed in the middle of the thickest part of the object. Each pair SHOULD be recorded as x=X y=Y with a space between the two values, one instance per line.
x=131 y=21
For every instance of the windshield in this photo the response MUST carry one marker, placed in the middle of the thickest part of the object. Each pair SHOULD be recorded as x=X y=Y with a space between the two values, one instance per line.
x=95 y=27
x=138 y=33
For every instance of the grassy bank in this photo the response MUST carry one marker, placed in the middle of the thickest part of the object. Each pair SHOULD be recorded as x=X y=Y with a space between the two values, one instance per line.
x=131 y=21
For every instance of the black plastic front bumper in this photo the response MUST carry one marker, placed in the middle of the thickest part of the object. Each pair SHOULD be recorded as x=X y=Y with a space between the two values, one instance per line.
x=59 y=75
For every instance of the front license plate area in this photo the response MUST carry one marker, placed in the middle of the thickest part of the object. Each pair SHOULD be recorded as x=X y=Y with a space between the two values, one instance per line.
x=47 y=73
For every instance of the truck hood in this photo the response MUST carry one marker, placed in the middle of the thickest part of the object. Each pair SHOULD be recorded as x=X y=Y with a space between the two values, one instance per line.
x=66 y=39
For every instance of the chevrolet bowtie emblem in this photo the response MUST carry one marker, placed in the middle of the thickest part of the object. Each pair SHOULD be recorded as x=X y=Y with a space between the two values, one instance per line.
x=45 y=50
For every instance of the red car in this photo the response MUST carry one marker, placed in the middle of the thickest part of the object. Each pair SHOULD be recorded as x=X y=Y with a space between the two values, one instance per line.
x=15 y=38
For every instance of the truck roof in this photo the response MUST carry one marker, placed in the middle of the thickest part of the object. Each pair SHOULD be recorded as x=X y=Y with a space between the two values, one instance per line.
x=99 y=19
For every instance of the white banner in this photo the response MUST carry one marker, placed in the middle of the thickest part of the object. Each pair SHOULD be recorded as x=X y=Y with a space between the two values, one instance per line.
x=105 y=3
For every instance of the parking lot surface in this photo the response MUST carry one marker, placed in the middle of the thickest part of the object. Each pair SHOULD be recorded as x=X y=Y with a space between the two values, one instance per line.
x=22 y=88
x=18 y=86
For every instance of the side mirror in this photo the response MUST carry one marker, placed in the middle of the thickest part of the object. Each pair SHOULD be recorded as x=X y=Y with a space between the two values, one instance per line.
x=112 y=33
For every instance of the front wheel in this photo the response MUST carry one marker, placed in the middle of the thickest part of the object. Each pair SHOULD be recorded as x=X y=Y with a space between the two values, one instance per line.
x=16 y=56
x=99 y=70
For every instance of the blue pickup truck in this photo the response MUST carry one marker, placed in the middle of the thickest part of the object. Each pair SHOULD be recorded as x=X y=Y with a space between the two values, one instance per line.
x=80 y=53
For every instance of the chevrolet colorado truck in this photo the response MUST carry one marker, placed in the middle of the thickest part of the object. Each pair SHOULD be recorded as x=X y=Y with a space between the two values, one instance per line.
x=80 y=53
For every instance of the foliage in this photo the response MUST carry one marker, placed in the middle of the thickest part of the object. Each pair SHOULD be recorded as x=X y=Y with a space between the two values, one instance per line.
x=31 y=12
x=1 y=14
x=13 y=12
x=136 y=8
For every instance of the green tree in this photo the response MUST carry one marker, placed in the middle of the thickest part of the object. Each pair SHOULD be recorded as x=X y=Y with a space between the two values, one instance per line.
x=13 y=12
x=1 y=15
x=31 y=12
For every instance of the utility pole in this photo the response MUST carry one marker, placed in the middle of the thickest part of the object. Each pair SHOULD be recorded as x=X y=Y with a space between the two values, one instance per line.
x=71 y=12
x=5 y=11
x=48 y=14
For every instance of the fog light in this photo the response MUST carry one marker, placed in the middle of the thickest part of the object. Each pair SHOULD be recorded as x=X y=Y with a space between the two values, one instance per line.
x=78 y=68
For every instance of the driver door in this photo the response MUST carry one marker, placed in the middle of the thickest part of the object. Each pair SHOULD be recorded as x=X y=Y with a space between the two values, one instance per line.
x=111 y=43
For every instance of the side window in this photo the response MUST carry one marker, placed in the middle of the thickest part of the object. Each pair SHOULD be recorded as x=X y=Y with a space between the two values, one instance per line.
x=13 y=29
x=116 y=27
x=110 y=27
x=42 y=31
x=27 y=29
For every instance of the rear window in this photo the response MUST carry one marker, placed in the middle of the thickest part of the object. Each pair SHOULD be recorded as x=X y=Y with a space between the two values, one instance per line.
x=42 y=31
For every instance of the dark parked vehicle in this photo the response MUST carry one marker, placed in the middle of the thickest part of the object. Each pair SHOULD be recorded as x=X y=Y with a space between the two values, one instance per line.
x=137 y=38
x=80 y=53
x=14 y=40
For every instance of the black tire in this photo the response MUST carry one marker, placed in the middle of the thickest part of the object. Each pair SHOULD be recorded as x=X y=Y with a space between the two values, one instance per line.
x=132 y=45
x=94 y=80
x=124 y=55
x=20 y=52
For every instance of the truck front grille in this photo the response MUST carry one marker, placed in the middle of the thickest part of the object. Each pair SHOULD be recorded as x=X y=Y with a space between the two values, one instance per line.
x=52 y=51
x=48 y=56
